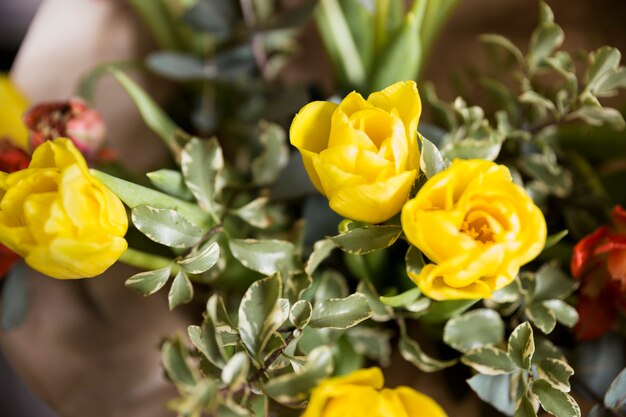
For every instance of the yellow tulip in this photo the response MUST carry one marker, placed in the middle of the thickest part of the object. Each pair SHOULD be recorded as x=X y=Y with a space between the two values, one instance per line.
x=362 y=154
x=361 y=394
x=476 y=226
x=60 y=218
x=13 y=105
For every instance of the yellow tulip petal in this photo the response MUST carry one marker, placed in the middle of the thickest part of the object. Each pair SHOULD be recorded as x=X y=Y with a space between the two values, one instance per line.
x=344 y=132
x=353 y=103
x=405 y=99
x=13 y=105
x=417 y=404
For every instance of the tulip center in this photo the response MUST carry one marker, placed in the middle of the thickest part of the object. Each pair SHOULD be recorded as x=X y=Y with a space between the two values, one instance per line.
x=376 y=124
x=478 y=228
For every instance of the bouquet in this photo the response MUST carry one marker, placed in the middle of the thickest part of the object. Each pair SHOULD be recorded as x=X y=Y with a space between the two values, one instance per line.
x=307 y=244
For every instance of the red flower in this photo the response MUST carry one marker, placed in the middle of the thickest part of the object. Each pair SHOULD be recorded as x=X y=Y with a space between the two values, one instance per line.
x=71 y=119
x=12 y=159
x=599 y=260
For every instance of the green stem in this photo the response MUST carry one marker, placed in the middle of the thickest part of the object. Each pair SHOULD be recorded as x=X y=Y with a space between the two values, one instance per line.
x=145 y=261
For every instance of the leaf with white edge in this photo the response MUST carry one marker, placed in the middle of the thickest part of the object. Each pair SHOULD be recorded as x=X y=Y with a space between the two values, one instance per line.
x=260 y=313
x=509 y=294
x=402 y=300
x=181 y=291
x=521 y=345
x=203 y=396
x=300 y=314
x=421 y=305
x=134 y=195
x=170 y=182
x=174 y=358
x=380 y=312
x=554 y=401
x=321 y=251
x=267 y=166
x=413 y=353
x=545 y=349
x=167 y=227
x=545 y=13
x=494 y=390
x=201 y=164
x=296 y=386
x=612 y=82
x=206 y=339
x=545 y=39
x=414 y=261
x=157 y=120
x=532 y=97
x=525 y=409
x=264 y=256
x=564 y=313
x=541 y=316
x=341 y=313
x=615 y=397
x=148 y=282
x=598 y=116
x=236 y=370
x=254 y=213
x=331 y=284
x=487 y=149
x=556 y=372
x=552 y=283
x=367 y=239
x=203 y=261
x=474 y=329
x=431 y=161
x=489 y=360
x=554 y=239
x=371 y=342
x=504 y=43
x=602 y=61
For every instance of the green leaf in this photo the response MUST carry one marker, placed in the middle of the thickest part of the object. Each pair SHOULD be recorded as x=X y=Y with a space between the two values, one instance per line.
x=557 y=180
x=414 y=261
x=402 y=300
x=554 y=401
x=254 y=213
x=267 y=166
x=612 y=81
x=541 y=316
x=177 y=66
x=170 y=182
x=489 y=360
x=557 y=372
x=321 y=251
x=545 y=39
x=504 y=43
x=201 y=164
x=206 y=339
x=181 y=291
x=165 y=226
x=412 y=352
x=174 y=358
x=156 y=119
x=555 y=238
x=300 y=313
x=552 y=283
x=296 y=386
x=134 y=195
x=431 y=161
x=380 y=312
x=264 y=256
x=360 y=20
x=564 y=313
x=615 y=397
x=601 y=63
x=331 y=284
x=236 y=370
x=545 y=13
x=474 y=329
x=401 y=58
x=494 y=390
x=522 y=345
x=367 y=239
x=148 y=282
x=260 y=314
x=545 y=349
x=372 y=343
x=203 y=261
x=441 y=311
x=487 y=148
x=598 y=116
x=532 y=97
x=341 y=313
x=216 y=17
x=525 y=409
x=201 y=397
x=14 y=297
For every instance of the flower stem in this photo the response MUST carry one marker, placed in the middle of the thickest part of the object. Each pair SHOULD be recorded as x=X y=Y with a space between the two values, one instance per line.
x=143 y=260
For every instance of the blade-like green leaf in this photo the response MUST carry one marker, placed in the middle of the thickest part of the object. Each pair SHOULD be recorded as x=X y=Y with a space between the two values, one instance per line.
x=341 y=313
x=165 y=226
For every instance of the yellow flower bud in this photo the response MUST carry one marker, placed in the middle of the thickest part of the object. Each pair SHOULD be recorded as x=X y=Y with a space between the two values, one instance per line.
x=12 y=105
x=361 y=394
x=476 y=226
x=362 y=154
x=60 y=218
